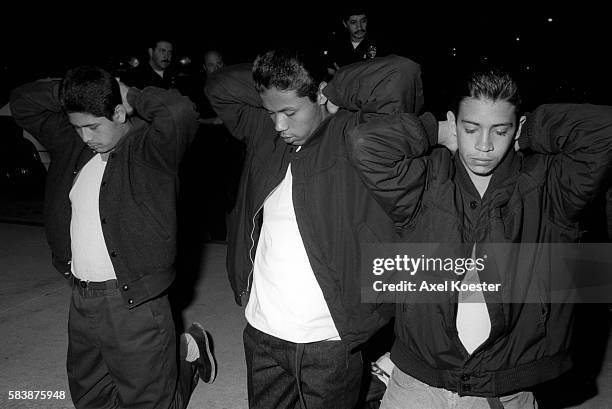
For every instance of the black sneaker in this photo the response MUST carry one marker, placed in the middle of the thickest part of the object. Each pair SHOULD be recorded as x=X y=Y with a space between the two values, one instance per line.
x=205 y=364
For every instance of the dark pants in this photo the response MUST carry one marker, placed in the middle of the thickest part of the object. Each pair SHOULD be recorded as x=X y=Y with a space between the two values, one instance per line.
x=124 y=358
x=326 y=374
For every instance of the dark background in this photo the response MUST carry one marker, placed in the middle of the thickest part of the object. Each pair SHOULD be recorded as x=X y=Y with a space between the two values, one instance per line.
x=565 y=60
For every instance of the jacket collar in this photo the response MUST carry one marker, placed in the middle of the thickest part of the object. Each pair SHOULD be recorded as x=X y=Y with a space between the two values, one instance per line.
x=318 y=133
x=503 y=178
x=136 y=124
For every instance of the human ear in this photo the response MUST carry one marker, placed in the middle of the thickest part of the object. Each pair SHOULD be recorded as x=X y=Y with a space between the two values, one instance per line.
x=447 y=132
x=120 y=114
x=452 y=123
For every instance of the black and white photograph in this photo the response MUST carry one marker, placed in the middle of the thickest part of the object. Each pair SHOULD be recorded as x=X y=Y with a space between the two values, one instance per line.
x=322 y=205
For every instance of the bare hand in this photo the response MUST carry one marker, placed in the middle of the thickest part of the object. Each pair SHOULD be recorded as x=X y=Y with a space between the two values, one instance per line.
x=331 y=107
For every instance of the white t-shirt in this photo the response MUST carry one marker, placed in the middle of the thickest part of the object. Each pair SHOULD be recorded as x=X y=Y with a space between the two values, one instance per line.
x=286 y=300
x=473 y=321
x=90 y=259
x=159 y=72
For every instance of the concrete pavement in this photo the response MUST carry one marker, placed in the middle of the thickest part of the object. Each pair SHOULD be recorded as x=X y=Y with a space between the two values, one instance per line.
x=34 y=311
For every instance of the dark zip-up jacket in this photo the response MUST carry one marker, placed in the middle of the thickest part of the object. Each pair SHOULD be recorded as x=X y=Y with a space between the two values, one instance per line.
x=333 y=208
x=535 y=196
x=138 y=189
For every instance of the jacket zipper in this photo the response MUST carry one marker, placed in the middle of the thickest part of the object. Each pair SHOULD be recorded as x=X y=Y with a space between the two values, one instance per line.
x=246 y=290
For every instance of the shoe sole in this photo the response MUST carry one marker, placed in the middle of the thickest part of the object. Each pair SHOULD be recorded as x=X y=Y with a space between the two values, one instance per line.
x=211 y=358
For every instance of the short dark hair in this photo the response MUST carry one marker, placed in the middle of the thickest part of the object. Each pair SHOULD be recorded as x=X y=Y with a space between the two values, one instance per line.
x=213 y=50
x=90 y=89
x=492 y=83
x=301 y=71
x=156 y=40
x=355 y=10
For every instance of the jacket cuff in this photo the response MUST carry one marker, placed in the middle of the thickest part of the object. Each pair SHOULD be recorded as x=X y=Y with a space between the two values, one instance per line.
x=430 y=124
x=332 y=94
x=131 y=96
x=55 y=91
x=61 y=266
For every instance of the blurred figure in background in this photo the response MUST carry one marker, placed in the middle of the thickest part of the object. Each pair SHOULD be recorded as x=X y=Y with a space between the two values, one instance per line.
x=353 y=45
x=233 y=151
x=157 y=70
x=210 y=171
x=213 y=60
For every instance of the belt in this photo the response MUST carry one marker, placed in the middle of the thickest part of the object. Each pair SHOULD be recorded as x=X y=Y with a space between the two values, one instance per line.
x=96 y=285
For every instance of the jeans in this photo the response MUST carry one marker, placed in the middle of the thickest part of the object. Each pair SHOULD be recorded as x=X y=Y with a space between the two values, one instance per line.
x=316 y=375
x=406 y=392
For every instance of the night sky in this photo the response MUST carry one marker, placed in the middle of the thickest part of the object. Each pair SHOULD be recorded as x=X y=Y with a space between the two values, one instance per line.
x=559 y=54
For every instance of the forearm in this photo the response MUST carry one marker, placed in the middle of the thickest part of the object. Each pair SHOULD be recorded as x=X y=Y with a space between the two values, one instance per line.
x=173 y=118
x=381 y=85
x=165 y=109
x=232 y=85
x=577 y=142
x=388 y=140
x=568 y=128
x=36 y=108
x=390 y=155
x=233 y=96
